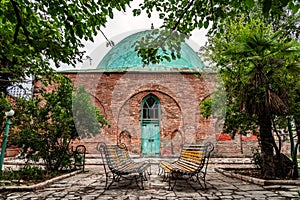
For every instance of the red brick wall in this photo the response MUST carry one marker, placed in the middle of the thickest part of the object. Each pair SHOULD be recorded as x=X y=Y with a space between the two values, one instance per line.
x=119 y=97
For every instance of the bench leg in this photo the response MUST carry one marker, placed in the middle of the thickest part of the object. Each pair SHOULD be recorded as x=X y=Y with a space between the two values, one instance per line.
x=107 y=187
x=146 y=176
x=140 y=178
x=204 y=183
x=163 y=173
x=160 y=171
x=172 y=176
x=199 y=177
x=106 y=181
x=115 y=178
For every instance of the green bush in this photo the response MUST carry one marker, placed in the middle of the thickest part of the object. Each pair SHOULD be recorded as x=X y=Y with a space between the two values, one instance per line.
x=26 y=173
x=46 y=127
x=206 y=107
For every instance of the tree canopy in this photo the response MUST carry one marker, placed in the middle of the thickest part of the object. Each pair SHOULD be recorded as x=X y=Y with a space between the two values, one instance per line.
x=187 y=15
x=181 y=17
x=34 y=34
x=257 y=65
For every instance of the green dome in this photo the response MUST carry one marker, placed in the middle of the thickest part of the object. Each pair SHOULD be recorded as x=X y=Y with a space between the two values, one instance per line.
x=123 y=57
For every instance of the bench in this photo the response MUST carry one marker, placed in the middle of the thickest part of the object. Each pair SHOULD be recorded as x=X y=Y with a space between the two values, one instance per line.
x=118 y=164
x=192 y=164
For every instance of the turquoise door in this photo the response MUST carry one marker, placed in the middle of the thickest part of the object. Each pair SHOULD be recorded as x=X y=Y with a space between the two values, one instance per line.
x=150 y=138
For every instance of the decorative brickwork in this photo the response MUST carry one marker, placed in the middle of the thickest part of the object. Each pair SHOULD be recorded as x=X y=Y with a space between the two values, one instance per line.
x=119 y=96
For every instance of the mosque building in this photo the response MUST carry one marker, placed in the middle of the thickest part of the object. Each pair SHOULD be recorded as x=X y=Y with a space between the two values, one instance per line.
x=153 y=109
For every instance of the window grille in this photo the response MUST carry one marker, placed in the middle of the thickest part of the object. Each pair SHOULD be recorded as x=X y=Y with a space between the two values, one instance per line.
x=151 y=109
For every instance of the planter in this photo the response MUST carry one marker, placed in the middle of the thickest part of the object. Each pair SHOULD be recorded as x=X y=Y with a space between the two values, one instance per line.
x=230 y=172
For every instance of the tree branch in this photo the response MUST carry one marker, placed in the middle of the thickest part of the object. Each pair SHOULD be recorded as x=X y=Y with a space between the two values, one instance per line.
x=182 y=15
x=109 y=42
x=19 y=24
x=277 y=149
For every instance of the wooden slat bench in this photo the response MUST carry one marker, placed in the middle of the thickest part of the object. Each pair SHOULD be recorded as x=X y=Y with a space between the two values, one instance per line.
x=192 y=163
x=120 y=165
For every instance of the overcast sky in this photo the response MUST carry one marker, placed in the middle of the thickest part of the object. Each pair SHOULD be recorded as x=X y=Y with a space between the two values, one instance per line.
x=123 y=25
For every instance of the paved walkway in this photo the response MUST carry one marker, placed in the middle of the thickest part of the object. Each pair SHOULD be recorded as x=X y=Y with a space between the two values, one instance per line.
x=89 y=185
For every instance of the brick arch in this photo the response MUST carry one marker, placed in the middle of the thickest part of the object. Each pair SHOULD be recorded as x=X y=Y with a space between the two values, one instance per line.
x=129 y=116
x=147 y=92
x=156 y=89
x=172 y=87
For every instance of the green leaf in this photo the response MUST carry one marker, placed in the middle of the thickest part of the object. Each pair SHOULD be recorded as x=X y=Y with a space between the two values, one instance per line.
x=206 y=24
x=294 y=67
x=110 y=13
x=136 y=12
x=161 y=15
x=200 y=24
x=267 y=4
x=250 y=3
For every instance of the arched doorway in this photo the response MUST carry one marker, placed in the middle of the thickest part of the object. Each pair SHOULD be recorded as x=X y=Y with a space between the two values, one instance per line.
x=150 y=123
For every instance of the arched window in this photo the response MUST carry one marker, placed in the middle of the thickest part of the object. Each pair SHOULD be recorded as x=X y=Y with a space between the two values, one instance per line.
x=150 y=109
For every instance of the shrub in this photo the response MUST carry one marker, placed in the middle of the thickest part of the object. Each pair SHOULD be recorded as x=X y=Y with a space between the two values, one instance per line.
x=206 y=107
x=46 y=125
x=26 y=173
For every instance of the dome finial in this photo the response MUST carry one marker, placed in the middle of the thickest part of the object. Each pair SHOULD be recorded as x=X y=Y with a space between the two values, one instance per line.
x=152 y=26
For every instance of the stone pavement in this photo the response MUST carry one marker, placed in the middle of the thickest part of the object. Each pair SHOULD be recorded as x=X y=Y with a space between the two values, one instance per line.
x=89 y=185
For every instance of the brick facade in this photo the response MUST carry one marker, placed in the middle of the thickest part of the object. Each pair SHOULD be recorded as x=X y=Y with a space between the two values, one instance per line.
x=119 y=97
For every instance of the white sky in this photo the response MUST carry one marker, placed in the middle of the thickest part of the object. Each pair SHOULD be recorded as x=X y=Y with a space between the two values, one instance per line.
x=123 y=25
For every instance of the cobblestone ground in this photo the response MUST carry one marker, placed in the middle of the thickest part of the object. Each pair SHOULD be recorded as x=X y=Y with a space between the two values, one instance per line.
x=89 y=185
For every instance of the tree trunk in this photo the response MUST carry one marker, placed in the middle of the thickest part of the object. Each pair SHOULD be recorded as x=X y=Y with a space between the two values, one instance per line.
x=267 y=142
x=296 y=170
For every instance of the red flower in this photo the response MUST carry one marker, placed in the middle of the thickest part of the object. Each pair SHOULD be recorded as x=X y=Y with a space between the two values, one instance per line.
x=223 y=137
x=251 y=137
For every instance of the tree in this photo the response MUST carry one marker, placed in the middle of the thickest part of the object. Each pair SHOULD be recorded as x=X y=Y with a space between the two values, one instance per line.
x=187 y=15
x=35 y=33
x=255 y=64
x=294 y=116
x=181 y=17
x=46 y=124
